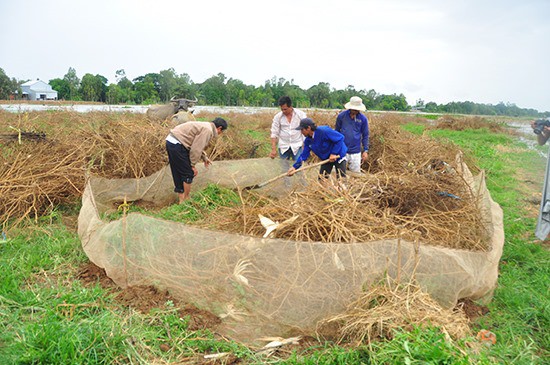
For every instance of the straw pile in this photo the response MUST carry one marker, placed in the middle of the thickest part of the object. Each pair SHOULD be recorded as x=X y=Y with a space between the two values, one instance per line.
x=411 y=186
x=385 y=308
x=246 y=137
x=460 y=123
x=410 y=183
x=47 y=155
x=37 y=175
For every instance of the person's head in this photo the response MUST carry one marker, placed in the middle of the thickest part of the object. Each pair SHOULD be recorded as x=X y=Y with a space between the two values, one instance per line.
x=307 y=127
x=355 y=105
x=285 y=103
x=221 y=124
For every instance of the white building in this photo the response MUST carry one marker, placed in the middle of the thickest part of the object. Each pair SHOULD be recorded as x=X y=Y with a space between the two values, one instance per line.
x=38 y=90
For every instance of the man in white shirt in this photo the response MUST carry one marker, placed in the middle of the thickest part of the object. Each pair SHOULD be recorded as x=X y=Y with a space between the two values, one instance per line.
x=286 y=141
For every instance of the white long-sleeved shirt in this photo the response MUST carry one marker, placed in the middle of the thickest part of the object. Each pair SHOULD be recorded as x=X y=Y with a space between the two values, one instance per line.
x=285 y=132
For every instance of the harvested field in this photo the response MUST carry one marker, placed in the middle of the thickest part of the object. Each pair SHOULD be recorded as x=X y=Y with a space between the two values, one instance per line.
x=38 y=175
x=413 y=191
x=46 y=156
x=410 y=188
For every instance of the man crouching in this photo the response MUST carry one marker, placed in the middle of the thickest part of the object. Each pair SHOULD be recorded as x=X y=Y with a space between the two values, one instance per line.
x=185 y=146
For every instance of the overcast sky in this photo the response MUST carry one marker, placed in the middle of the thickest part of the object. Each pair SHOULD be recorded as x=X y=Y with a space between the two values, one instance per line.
x=485 y=51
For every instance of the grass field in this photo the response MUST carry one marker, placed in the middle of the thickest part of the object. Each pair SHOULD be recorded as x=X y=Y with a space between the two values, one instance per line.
x=50 y=315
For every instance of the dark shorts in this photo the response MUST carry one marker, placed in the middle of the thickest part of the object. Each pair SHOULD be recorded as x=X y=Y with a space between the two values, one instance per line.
x=180 y=165
x=340 y=167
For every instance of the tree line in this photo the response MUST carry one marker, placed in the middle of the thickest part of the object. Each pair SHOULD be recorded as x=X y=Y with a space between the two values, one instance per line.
x=160 y=87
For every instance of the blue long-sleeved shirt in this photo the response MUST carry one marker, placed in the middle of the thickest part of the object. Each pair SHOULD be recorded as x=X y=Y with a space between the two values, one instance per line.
x=355 y=131
x=325 y=142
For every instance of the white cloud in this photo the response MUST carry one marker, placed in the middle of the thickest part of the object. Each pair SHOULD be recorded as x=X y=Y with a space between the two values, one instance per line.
x=482 y=51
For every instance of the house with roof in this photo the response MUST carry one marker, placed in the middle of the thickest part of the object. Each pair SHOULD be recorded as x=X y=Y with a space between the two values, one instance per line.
x=38 y=90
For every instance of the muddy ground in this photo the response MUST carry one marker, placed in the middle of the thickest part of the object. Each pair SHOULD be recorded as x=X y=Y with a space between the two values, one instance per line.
x=146 y=298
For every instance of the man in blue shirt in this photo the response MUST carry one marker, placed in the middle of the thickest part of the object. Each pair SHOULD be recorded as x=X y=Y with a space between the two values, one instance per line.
x=355 y=128
x=326 y=143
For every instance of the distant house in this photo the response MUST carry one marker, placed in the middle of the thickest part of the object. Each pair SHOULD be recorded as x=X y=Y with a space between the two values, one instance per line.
x=38 y=90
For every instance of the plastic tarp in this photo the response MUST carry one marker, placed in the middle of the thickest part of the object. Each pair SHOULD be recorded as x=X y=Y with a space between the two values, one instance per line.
x=263 y=286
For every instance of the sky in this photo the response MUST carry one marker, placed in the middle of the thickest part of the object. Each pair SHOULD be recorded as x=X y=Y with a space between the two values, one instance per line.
x=484 y=51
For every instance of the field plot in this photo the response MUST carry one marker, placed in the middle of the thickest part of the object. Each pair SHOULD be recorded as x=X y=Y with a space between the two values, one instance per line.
x=352 y=264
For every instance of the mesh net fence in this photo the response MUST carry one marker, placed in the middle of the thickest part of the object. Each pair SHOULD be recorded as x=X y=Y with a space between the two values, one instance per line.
x=263 y=286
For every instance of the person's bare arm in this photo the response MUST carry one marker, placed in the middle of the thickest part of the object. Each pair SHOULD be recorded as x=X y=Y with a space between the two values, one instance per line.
x=273 y=153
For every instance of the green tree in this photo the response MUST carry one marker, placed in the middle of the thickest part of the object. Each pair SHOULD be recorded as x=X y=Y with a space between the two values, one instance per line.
x=185 y=88
x=88 y=88
x=297 y=95
x=369 y=98
x=213 y=90
x=124 y=92
x=267 y=99
x=16 y=87
x=167 y=84
x=74 y=84
x=150 y=78
x=101 y=84
x=147 y=88
x=392 y=102
x=235 y=92
x=62 y=87
x=119 y=75
x=319 y=95
x=340 y=97
x=6 y=85
x=277 y=87
x=93 y=88
x=145 y=93
x=431 y=107
x=250 y=96
x=114 y=94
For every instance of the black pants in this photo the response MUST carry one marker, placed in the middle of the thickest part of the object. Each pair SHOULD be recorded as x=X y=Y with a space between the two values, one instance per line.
x=180 y=165
x=340 y=167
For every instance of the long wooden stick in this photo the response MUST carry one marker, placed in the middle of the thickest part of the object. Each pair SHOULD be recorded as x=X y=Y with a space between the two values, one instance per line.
x=306 y=167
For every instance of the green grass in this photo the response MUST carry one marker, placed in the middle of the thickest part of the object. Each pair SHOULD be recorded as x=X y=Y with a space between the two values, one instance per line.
x=204 y=201
x=414 y=128
x=423 y=346
x=419 y=346
x=261 y=139
x=520 y=310
x=208 y=199
x=48 y=316
x=431 y=116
